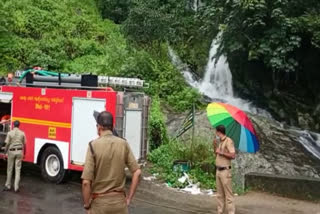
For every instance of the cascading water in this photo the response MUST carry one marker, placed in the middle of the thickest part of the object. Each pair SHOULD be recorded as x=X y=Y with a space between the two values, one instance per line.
x=310 y=141
x=217 y=81
x=183 y=68
x=196 y=4
x=217 y=85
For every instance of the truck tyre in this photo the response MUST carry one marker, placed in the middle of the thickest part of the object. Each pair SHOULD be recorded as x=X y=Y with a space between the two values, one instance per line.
x=51 y=165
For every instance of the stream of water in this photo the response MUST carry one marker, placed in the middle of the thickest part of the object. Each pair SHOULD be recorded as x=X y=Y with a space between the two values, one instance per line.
x=217 y=81
x=310 y=141
x=216 y=84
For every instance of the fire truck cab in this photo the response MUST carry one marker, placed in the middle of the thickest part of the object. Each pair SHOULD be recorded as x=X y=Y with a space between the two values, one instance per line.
x=58 y=120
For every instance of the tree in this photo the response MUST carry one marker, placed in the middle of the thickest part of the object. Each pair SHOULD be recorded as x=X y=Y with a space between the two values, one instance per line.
x=148 y=21
x=269 y=31
x=116 y=10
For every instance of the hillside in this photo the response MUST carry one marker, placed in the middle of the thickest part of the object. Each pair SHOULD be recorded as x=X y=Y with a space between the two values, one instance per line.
x=71 y=36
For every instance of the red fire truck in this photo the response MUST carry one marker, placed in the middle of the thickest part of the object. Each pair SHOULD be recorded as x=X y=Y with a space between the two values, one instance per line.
x=56 y=114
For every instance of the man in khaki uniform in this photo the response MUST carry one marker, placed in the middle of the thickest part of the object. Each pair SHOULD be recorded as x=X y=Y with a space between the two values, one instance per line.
x=103 y=185
x=225 y=152
x=15 y=149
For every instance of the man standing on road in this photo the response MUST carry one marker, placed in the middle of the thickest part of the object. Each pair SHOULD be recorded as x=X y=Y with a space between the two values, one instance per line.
x=225 y=152
x=15 y=149
x=103 y=184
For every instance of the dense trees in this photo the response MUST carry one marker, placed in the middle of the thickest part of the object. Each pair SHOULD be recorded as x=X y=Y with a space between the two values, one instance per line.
x=276 y=39
x=272 y=31
x=71 y=36
x=59 y=37
x=272 y=45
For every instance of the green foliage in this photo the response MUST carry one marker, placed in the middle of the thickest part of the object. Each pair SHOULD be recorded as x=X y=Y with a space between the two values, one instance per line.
x=310 y=24
x=172 y=87
x=157 y=21
x=183 y=100
x=116 y=10
x=200 y=155
x=157 y=127
x=67 y=36
x=72 y=37
x=206 y=180
x=270 y=31
x=148 y=21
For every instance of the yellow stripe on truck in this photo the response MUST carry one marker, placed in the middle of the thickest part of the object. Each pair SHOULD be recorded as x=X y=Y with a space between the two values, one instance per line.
x=42 y=122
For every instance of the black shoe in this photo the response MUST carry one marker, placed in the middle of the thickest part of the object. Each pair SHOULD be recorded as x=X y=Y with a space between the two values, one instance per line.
x=17 y=191
x=6 y=189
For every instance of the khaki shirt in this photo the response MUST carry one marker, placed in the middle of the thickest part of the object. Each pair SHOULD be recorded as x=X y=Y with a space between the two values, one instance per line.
x=107 y=172
x=15 y=139
x=225 y=146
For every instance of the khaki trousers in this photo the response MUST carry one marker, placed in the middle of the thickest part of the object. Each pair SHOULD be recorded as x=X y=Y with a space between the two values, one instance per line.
x=14 y=161
x=225 y=196
x=109 y=204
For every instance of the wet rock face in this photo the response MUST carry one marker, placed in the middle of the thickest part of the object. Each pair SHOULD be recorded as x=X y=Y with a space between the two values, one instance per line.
x=281 y=152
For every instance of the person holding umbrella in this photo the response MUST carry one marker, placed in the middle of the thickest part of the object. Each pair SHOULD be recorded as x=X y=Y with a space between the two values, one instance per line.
x=225 y=152
x=235 y=131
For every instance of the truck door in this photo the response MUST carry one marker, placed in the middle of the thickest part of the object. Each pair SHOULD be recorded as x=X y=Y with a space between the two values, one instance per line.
x=133 y=130
x=5 y=116
x=83 y=126
x=133 y=122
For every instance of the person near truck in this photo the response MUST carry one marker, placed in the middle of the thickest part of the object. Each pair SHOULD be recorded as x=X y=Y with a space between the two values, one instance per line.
x=15 y=150
x=5 y=122
x=225 y=152
x=103 y=177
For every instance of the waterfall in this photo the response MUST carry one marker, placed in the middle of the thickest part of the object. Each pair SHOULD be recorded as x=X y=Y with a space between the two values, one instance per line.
x=217 y=81
x=183 y=68
x=195 y=5
x=217 y=85
x=310 y=141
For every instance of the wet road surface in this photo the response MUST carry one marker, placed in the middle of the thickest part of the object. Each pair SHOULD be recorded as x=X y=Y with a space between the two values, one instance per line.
x=39 y=197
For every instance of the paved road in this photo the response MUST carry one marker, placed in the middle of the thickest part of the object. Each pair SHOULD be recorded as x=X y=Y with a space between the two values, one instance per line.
x=39 y=197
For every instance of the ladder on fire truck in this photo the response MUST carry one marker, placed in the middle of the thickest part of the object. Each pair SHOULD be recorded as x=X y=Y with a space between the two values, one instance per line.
x=63 y=80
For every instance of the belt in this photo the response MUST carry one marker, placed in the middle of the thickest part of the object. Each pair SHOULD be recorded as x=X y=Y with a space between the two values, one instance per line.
x=17 y=149
x=219 y=168
x=115 y=192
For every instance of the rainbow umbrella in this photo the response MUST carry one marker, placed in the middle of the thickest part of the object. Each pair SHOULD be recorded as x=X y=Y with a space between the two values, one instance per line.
x=238 y=126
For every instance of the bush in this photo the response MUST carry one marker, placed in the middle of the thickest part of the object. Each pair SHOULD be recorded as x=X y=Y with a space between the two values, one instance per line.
x=157 y=127
x=183 y=100
x=199 y=155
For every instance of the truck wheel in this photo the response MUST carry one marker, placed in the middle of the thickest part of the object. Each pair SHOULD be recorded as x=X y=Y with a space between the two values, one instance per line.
x=52 y=165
